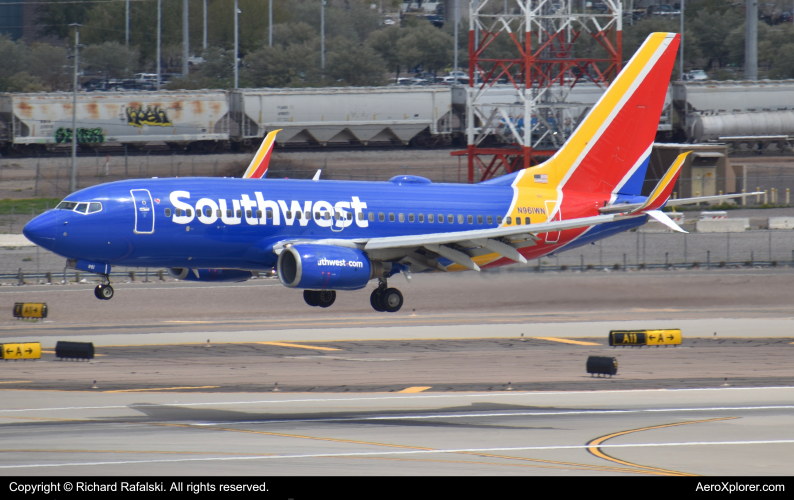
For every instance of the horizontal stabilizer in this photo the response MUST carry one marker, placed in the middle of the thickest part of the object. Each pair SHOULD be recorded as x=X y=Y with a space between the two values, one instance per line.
x=664 y=219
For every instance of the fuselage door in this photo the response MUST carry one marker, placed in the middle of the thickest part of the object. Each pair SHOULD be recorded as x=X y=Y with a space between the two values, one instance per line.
x=144 y=211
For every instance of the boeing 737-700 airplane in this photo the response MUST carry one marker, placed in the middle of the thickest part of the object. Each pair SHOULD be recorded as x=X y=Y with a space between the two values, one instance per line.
x=323 y=236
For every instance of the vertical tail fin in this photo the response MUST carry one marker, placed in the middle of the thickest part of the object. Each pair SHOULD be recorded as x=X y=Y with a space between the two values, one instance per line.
x=258 y=167
x=610 y=149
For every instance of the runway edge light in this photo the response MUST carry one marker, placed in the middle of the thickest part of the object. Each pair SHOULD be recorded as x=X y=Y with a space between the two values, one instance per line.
x=645 y=337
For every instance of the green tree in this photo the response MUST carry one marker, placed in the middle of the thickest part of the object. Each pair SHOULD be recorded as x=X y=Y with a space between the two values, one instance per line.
x=385 y=44
x=295 y=65
x=110 y=59
x=51 y=65
x=715 y=32
x=356 y=64
x=426 y=45
x=14 y=57
x=24 y=82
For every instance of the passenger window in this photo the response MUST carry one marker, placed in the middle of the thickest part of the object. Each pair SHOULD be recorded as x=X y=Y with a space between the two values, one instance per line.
x=490 y=219
x=239 y=214
x=518 y=221
x=391 y=217
x=402 y=217
x=430 y=218
x=350 y=216
x=479 y=219
x=308 y=215
x=218 y=212
x=316 y=215
x=229 y=213
x=421 y=217
x=299 y=215
x=451 y=219
x=258 y=214
x=82 y=208
x=168 y=212
x=470 y=219
x=508 y=220
x=527 y=221
x=179 y=212
x=326 y=216
x=460 y=219
x=440 y=218
x=207 y=212
x=499 y=219
x=381 y=216
x=94 y=207
x=248 y=214
x=371 y=216
x=289 y=214
x=190 y=212
x=410 y=217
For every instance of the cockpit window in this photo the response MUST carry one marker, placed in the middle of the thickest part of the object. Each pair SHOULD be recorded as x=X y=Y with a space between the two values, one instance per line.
x=66 y=205
x=94 y=207
x=82 y=208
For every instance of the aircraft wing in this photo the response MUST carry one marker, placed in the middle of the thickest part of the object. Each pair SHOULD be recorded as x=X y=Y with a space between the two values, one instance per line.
x=458 y=246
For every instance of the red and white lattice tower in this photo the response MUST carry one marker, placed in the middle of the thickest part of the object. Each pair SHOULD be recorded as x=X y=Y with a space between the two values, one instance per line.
x=525 y=57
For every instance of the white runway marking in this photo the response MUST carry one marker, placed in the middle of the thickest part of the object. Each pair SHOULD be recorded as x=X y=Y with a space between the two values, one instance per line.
x=380 y=398
x=411 y=452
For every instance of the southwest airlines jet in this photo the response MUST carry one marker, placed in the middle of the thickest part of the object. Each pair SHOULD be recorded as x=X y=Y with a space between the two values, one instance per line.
x=324 y=236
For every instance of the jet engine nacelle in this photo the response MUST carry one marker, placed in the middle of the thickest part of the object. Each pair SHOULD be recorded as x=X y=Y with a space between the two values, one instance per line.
x=322 y=267
x=216 y=275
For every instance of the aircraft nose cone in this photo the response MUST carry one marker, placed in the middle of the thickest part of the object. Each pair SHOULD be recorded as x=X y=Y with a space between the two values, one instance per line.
x=41 y=230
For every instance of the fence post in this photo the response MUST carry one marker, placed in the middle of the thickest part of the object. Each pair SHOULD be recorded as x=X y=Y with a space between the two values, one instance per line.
x=624 y=262
x=752 y=258
x=728 y=258
x=49 y=278
x=708 y=259
x=666 y=265
x=770 y=245
x=788 y=196
x=132 y=275
x=581 y=263
x=744 y=198
x=21 y=277
x=758 y=196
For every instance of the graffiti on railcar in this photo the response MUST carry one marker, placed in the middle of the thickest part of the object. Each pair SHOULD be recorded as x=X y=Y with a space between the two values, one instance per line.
x=151 y=115
x=84 y=135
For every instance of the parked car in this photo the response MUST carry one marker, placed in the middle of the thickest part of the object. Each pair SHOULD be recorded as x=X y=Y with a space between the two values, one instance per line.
x=695 y=75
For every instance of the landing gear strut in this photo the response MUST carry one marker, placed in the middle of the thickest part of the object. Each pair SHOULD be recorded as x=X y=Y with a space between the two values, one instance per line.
x=104 y=291
x=322 y=298
x=385 y=299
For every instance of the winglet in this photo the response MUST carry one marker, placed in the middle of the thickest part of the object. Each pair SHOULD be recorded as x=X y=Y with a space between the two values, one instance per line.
x=258 y=167
x=664 y=188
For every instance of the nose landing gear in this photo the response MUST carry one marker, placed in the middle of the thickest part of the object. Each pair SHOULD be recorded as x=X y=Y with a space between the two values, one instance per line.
x=104 y=291
x=385 y=299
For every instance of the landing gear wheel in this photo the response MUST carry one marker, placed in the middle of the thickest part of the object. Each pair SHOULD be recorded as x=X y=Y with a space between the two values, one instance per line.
x=325 y=297
x=103 y=292
x=374 y=299
x=391 y=300
x=310 y=296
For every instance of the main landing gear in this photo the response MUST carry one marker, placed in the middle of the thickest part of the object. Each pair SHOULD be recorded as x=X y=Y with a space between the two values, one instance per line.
x=104 y=291
x=322 y=298
x=385 y=299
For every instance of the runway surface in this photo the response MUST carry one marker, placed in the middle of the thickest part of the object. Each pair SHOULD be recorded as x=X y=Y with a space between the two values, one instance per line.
x=717 y=431
x=446 y=386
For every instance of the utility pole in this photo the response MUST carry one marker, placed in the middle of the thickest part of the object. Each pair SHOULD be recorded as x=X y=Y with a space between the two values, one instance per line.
x=205 y=24
x=681 y=48
x=185 y=39
x=236 y=43
x=73 y=183
x=128 y=23
x=322 y=34
x=751 y=42
x=456 y=18
x=270 y=19
x=159 y=40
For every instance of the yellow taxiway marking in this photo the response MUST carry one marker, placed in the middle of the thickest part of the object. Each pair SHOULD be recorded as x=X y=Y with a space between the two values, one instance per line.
x=412 y=390
x=565 y=341
x=593 y=445
x=140 y=452
x=17 y=382
x=299 y=436
x=299 y=346
x=155 y=389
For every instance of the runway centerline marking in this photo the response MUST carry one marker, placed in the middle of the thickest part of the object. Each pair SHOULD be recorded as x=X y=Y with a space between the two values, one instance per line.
x=413 y=390
x=565 y=341
x=595 y=450
x=299 y=346
x=155 y=389
x=447 y=396
x=405 y=452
